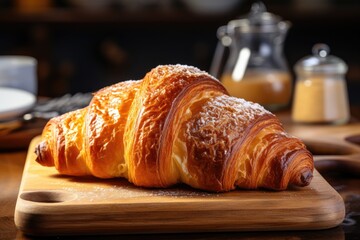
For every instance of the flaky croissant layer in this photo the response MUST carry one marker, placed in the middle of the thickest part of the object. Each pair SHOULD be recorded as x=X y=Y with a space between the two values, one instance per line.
x=176 y=125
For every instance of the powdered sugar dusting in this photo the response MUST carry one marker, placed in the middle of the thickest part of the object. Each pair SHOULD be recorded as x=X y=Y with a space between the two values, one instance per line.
x=220 y=122
x=99 y=193
x=179 y=70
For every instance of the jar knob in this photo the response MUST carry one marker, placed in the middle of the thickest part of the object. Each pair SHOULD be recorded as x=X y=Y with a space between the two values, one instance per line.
x=321 y=50
x=258 y=7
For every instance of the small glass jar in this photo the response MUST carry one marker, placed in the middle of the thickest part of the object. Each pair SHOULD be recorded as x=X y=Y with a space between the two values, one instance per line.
x=320 y=91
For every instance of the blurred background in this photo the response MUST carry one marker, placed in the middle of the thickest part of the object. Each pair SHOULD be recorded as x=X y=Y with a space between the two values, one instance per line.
x=82 y=45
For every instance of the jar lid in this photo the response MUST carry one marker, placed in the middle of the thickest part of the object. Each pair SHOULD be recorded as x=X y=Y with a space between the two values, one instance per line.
x=321 y=62
x=258 y=19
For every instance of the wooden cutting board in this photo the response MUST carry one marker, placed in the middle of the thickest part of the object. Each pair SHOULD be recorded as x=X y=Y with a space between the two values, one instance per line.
x=51 y=204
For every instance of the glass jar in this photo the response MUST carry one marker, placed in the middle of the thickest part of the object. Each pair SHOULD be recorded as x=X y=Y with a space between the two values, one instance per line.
x=320 y=91
x=254 y=68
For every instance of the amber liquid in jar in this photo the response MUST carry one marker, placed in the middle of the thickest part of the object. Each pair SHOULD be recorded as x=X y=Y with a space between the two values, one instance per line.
x=272 y=89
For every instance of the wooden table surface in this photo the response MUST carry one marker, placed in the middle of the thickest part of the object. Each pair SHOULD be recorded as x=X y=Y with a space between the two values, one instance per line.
x=11 y=168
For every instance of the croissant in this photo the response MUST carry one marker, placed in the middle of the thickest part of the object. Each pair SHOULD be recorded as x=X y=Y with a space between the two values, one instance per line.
x=176 y=125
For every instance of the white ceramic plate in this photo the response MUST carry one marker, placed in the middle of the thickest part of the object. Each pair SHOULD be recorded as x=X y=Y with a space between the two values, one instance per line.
x=14 y=102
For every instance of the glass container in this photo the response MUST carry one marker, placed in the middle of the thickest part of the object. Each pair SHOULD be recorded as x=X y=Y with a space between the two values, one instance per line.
x=320 y=91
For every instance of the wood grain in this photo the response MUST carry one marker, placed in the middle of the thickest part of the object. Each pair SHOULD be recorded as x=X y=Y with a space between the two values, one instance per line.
x=50 y=204
x=11 y=167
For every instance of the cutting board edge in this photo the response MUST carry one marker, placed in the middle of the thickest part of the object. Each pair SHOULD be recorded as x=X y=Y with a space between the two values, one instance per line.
x=35 y=221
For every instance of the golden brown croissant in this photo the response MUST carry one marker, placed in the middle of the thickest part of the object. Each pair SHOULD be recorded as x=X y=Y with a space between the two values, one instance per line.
x=178 y=124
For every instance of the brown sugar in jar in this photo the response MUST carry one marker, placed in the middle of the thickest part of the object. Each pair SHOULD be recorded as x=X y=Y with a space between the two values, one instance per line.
x=320 y=90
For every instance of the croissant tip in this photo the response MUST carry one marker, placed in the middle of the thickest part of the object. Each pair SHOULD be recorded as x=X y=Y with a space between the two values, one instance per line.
x=306 y=177
x=40 y=151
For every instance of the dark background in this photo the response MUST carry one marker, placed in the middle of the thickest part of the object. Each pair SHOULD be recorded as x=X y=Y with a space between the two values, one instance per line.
x=81 y=47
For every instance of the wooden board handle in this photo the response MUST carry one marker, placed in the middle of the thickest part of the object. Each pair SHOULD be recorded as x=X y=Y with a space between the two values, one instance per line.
x=347 y=164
